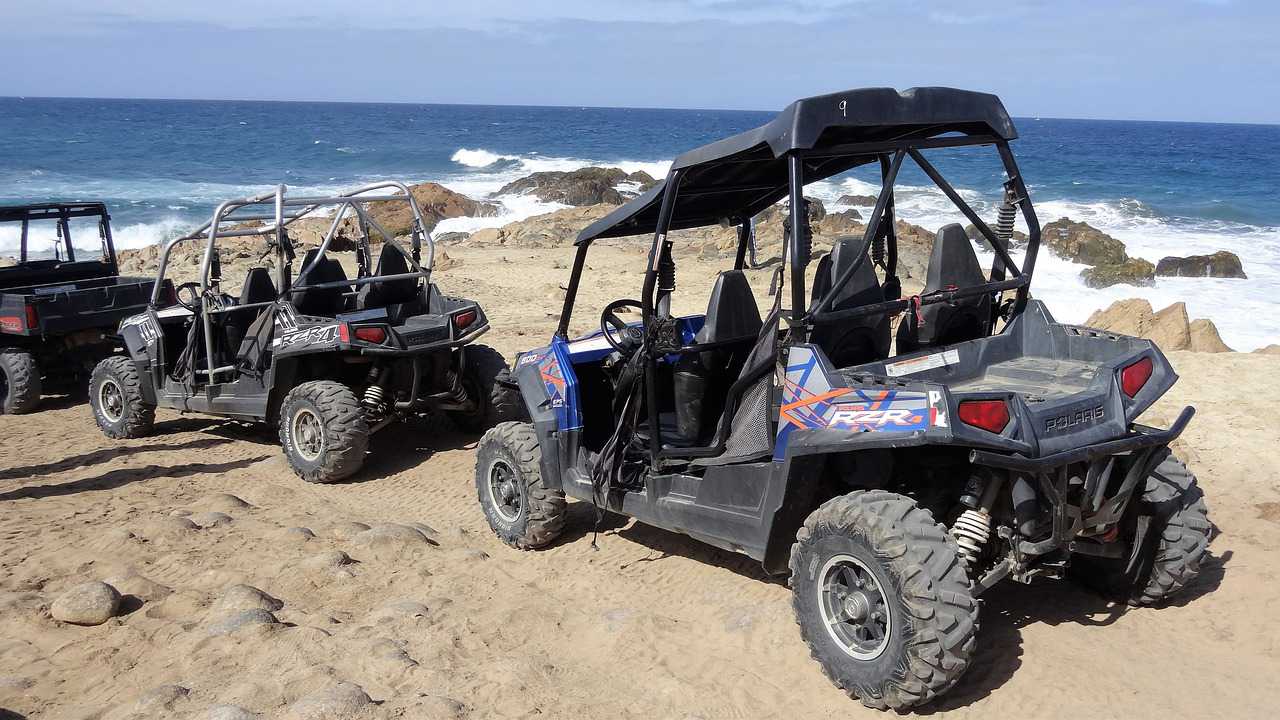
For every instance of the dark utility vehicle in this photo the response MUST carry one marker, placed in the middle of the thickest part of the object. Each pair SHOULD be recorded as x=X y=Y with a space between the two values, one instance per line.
x=894 y=489
x=329 y=359
x=59 y=303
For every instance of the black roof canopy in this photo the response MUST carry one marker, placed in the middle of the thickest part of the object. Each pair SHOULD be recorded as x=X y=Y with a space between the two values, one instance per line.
x=741 y=175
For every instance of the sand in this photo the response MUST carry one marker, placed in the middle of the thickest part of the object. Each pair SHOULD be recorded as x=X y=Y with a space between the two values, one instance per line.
x=395 y=600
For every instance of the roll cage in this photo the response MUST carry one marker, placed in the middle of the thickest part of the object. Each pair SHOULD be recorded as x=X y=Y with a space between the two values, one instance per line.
x=269 y=215
x=61 y=214
x=734 y=179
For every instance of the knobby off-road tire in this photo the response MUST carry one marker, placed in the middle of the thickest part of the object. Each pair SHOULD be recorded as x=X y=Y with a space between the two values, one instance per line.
x=115 y=396
x=323 y=431
x=882 y=545
x=19 y=382
x=484 y=371
x=522 y=511
x=1176 y=541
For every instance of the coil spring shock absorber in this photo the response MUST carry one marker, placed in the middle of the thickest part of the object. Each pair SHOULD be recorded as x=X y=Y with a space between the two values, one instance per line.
x=972 y=529
x=1006 y=215
x=374 y=400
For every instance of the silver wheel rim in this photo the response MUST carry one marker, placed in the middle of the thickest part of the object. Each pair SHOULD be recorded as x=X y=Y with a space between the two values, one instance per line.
x=111 y=400
x=308 y=434
x=853 y=606
x=504 y=491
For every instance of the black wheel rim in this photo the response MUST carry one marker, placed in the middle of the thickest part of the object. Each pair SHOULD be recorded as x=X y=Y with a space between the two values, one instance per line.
x=111 y=400
x=4 y=387
x=504 y=491
x=853 y=606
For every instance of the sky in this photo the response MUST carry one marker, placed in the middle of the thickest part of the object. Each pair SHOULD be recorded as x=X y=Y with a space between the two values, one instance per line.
x=1206 y=60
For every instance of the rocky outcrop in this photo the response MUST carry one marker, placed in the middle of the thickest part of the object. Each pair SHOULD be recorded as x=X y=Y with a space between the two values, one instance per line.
x=1019 y=239
x=1272 y=349
x=437 y=203
x=581 y=187
x=1170 y=328
x=1221 y=264
x=1082 y=243
x=859 y=200
x=1132 y=271
x=550 y=230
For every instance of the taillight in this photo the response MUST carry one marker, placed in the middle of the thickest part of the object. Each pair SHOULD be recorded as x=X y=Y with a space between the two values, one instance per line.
x=1134 y=376
x=464 y=318
x=344 y=332
x=374 y=335
x=33 y=319
x=989 y=415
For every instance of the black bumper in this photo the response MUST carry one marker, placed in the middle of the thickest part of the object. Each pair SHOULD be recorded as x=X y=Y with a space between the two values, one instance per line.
x=1139 y=437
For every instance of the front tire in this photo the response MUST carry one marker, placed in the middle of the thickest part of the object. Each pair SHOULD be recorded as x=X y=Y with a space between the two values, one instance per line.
x=1177 y=540
x=521 y=510
x=486 y=377
x=19 y=382
x=323 y=431
x=115 y=395
x=882 y=599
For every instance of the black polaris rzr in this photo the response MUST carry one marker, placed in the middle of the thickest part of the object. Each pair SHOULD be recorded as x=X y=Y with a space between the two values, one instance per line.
x=331 y=360
x=895 y=488
x=60 y=303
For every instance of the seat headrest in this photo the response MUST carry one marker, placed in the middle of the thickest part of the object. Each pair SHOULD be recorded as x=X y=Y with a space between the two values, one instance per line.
x=258 y=287
x=953 y=262
x=731 y=312
x=862 y=289
x=325 y=302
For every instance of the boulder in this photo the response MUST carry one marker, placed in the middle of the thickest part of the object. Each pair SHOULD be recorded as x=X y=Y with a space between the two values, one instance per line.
x=338 y=702
x=1170 y=328
x=581 y=187
x=246 y=597
x=1221 y=264
x=555 y=229
x=91 y=603
x=859 y=200
x=1133 y=271
x=436 y=201
x=230 y=712
x=241 y=619
x=1019 y=239
x=1082 y=243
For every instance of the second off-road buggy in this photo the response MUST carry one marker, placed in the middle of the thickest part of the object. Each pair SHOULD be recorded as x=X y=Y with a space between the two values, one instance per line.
x=329 y=359
x=894 y=489
x=60 y=303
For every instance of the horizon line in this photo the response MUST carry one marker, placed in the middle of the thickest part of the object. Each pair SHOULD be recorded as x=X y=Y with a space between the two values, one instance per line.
x=573 y=107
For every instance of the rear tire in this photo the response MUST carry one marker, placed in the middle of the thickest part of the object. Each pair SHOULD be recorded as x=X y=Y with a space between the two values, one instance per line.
x=882 y=599
x=522 y=511
x=486 y=377
x=323 y=431
x=1176 y=542
x=19 y=382
x=115 y=395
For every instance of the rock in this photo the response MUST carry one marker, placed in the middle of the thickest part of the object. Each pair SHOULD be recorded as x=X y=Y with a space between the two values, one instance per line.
x=859 y=200
x=246 y=597
x=223 y=502
x=1221 y=264
x=581 y=187
x=1272 y=349
x=450 y=238
x=555 y=229
x=1018 y=240
x=391 y=534
x=401 y=609
x=210 y=519
x=1083 y=243
x=298 y=534
x=339 y=702
x=327 y=560
x=1205 y=337
x=346 y=530
x=167 y=525
x=160 y=699
x=1133 y=271
x=1168 y=328
x=841 y=223
x=230 y=712
x=436 y=201
x=91 y=603
x=239 y=620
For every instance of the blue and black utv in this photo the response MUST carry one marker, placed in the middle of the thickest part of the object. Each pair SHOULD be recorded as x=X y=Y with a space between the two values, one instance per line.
x=894 y=476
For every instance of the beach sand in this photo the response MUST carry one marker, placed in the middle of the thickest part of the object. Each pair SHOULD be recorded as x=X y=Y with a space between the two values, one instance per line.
x=432 y=617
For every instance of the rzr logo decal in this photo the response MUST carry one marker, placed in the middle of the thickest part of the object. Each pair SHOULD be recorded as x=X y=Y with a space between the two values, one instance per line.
x=319 y=335
x=858 y=418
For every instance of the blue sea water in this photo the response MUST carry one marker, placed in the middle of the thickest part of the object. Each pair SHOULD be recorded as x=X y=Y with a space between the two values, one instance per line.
x=1163 y=188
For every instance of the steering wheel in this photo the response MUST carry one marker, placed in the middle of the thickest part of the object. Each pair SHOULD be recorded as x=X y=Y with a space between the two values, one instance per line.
x=627 y=338
x=193 y=289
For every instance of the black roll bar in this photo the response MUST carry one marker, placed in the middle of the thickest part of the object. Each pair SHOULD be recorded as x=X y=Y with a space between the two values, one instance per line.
x=959 y=202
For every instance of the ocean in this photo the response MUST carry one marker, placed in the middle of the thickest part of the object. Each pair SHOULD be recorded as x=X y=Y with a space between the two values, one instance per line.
x=1164 y=188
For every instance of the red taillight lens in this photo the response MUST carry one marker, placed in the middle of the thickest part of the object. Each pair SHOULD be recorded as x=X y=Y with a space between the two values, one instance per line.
x=464 y=318
x=371 y=334
x=33 y=320
x=344 y=332
x=989 y=415
x=1134 y=376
